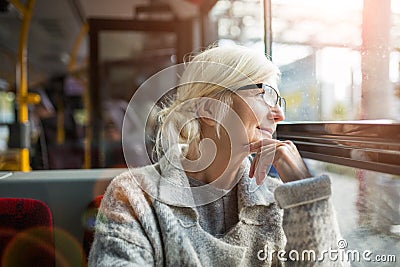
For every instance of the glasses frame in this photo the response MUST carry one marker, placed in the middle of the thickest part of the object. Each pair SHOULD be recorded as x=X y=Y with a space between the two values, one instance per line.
x=279 y=100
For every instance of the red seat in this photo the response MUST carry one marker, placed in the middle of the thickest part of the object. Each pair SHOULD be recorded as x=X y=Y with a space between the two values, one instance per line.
x=26 y=233
x=90 y=221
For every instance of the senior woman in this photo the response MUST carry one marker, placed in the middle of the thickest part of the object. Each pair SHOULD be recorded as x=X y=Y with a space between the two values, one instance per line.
x=208 y=201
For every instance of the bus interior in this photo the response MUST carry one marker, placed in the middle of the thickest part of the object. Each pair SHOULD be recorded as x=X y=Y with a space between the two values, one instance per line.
x=70 y=68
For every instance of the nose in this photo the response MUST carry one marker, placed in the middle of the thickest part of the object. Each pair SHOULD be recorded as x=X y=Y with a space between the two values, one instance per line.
x=276 y=113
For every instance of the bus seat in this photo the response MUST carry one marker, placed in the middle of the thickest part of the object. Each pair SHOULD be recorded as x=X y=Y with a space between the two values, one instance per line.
x=26 y=233
x=89 y=223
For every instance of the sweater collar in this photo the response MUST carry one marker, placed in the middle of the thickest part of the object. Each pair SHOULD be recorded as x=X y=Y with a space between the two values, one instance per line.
x=174 y=188
x=249 y=193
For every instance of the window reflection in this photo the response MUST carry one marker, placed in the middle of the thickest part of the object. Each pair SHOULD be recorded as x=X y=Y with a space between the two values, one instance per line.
x=324 y=50
x=367 y=204
x=239 y=21
x=335 y=64
x=124 y=68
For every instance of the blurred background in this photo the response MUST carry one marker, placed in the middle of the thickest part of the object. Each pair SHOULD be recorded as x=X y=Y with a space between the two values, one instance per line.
x=68 y=69
x=85 y=58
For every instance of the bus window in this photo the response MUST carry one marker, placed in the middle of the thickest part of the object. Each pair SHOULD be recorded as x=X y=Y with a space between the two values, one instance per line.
x=339 y=59
x=367 y=206
x=239 y=22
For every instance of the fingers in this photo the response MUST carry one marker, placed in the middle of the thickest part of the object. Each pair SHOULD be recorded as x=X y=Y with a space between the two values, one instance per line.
x=261 y=162
x=290 y=143
x=283 y=155
x=256 y=146
x=253 y=166
x=261 y=146
x=289 y=163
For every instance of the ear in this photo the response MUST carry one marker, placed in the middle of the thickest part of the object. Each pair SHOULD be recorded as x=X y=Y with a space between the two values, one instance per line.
x=205 y=112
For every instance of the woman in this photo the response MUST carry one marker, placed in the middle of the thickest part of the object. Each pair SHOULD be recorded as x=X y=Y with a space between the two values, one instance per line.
x=207 y=202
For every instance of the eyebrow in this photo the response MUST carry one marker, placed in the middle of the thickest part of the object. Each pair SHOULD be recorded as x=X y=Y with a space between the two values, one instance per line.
x=249 y=91
x=251 y=86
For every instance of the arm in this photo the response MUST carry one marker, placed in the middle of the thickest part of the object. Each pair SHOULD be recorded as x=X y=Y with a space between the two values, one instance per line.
x=110 y=250
x=120 y=238
x=309 y=220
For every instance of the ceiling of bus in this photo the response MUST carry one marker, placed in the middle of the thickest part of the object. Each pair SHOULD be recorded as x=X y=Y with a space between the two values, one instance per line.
x=53 y=30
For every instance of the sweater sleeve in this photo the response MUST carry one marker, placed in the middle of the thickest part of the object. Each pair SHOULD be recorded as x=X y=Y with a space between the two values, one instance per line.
x=120 y=238
x=310 y=223
x=116 y=251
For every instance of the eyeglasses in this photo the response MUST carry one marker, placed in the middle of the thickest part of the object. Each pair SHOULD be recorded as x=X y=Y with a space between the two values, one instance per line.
x=270 y=96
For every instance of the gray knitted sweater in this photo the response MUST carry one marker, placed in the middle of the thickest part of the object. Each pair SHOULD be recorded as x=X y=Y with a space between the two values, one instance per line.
x=135 y=227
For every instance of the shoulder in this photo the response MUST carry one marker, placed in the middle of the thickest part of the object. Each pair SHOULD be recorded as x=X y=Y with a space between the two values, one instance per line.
x=134 y=179
x=126 y=194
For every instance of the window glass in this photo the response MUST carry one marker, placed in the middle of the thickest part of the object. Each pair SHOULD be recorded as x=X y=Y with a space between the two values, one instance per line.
x=239 y=21
x=7 y=116
x=123 y=68
x=339 y=59
x=367 y=206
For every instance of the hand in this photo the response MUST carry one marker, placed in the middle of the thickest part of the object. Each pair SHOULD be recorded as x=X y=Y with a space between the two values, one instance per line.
x=283 y=155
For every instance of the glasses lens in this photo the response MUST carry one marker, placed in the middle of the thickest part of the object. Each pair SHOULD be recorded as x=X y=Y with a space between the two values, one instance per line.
x=282 y=104
x=270 y=96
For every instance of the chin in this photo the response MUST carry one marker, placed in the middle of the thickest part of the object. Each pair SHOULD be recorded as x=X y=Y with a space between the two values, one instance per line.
x=263 y=135
x=267 y=136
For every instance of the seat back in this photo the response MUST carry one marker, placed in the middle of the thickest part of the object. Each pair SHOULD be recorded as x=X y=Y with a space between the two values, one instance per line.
x=90 y=221
x=26 y=233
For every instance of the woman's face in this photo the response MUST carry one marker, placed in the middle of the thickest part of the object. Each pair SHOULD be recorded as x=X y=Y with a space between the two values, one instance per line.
x=259 y=119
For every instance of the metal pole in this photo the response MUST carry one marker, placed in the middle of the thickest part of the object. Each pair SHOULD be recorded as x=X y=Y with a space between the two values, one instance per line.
x=267 y=28
x=377 y=93
x=22 y=77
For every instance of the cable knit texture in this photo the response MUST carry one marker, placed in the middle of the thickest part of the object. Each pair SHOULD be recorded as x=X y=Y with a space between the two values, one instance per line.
x=137 y=227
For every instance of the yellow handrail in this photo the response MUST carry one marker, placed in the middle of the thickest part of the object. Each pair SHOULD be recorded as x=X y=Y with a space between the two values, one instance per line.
x=60 y=137
x=82 y=33
x=21 y=71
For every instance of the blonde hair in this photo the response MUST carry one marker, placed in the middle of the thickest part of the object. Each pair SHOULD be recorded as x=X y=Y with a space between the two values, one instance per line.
x=209 y=74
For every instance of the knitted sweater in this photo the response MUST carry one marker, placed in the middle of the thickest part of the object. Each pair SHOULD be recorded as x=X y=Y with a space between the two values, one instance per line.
x=220 y=215
x=137 y=226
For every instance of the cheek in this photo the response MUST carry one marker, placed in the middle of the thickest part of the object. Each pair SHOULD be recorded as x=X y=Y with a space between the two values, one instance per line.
x=245 y=111
x=253 y=116
x=238 y=120
x=250 y=122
